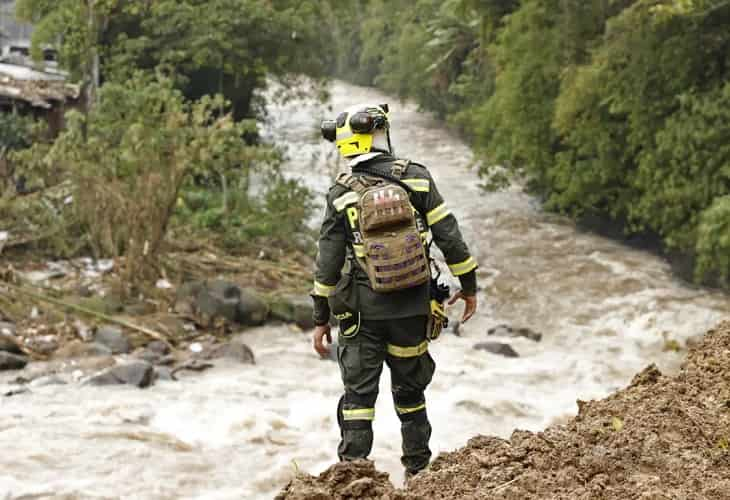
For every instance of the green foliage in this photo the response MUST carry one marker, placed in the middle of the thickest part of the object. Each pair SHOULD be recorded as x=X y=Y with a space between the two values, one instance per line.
x=644 y=128
x=226 y=47
x=16 y=131
x=610 y=107
x=129 y=158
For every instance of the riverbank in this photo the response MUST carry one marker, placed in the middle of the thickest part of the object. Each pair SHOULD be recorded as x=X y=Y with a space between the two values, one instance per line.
x=73 y=321
x=660 y=437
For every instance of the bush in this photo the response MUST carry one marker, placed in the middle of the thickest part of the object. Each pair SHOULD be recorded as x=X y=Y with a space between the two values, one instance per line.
x=129 y=159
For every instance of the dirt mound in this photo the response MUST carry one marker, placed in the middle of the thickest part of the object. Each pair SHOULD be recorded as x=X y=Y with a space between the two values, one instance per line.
x=660 y=437
x=349 y=480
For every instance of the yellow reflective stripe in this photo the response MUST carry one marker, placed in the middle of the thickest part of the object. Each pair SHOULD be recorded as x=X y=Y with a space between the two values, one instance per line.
x=419 y=185
x=353 y=329
x=437 y=214
x=323 y=290
x=408 y=352
x=344 y=200
x=463 y=267
x=359 y=250
x=405 y=410
x=359 y=414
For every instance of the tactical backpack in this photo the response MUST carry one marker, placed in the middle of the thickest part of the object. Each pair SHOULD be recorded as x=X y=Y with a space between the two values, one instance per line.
x=390 y=249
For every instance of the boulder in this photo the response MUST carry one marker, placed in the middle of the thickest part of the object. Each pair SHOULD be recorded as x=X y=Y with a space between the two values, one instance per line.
x=9 y=343
x=79 y=349
x=209 y=300
x=252 y=310
x=236 y=351
x=154 y=352
x=113 y=337
x=294 y=309
x=512 y=332
x=158 y=347
x=137 y=373
x=10 y=361
x=148 y=356
x=500 y=348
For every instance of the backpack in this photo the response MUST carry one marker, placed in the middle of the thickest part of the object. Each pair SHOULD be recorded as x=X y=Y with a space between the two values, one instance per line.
x=388 y=244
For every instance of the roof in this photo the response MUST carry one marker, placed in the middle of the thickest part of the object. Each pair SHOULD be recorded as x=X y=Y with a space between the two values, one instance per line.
x=38 y=88
x=20 y=72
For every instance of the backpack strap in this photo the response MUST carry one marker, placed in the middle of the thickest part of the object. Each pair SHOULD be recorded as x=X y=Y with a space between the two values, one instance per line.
x=399 y=168
x=357 y=183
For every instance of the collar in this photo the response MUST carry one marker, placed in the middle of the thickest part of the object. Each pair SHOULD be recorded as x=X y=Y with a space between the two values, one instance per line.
x=362 y=158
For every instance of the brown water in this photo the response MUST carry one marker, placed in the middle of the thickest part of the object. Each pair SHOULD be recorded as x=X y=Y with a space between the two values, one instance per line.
x=240 y=432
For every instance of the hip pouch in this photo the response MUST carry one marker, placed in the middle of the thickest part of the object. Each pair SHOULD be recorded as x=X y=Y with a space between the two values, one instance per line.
x=347 y=317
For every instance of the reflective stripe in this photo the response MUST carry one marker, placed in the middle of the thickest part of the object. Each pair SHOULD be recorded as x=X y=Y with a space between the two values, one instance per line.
x=353 y=329
x=419 y=185
x=359 y=250
x=344 y=200
x=408 y=352
x=405 y=410
x=359 y=414
x=437 y=214
x=322 y=290
x=463 y=267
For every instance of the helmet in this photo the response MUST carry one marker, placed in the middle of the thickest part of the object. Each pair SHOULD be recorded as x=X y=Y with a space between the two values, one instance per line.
x=355 y=128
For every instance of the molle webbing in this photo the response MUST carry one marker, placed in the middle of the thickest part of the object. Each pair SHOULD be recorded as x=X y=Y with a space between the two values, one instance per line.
x=392 y=252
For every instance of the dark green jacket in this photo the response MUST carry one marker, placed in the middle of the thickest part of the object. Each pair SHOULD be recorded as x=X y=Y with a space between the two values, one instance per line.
x=350 y=288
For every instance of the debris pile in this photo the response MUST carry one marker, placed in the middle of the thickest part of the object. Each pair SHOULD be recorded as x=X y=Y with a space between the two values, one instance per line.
x=74 y=319
x=661 y=437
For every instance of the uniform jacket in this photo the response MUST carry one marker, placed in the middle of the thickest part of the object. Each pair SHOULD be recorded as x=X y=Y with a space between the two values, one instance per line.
x=339 y=278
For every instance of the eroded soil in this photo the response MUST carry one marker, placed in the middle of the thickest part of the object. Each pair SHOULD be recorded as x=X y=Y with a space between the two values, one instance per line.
x=661 y=437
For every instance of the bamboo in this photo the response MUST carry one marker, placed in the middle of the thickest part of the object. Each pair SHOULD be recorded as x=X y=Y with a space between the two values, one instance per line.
x=60 y=303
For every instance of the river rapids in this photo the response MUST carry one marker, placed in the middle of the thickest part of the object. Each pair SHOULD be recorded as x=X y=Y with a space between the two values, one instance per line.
x=605 y=312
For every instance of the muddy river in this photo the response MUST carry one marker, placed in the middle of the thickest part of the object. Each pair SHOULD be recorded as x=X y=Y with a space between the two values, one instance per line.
x=605 y=311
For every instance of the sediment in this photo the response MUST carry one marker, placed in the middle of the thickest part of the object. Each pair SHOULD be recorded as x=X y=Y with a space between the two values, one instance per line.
x=661 y=437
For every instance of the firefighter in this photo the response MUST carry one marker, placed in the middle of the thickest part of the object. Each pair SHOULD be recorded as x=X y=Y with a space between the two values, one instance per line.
x=373 y=274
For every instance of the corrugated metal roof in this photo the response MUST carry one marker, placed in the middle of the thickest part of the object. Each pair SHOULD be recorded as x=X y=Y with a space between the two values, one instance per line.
x=37 y=88
x=18 y=72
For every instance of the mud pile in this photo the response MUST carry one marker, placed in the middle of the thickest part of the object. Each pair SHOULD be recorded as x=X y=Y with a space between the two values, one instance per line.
x=661 y=437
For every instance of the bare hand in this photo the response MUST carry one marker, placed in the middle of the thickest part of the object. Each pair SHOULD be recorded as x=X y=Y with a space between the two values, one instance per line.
x=320 y=332
x=471 y=304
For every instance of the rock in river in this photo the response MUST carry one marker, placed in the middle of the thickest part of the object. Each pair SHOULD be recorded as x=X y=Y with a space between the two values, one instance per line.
x=137 y=373
x=208 y=300
x=8 y=343
x=294 y=309
x=509 y=331
x=500 y=348
x=113 y=337
x=10 y=361
x=236 y=351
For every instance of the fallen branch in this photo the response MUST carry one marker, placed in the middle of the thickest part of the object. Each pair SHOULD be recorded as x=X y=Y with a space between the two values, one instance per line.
x=73 y=307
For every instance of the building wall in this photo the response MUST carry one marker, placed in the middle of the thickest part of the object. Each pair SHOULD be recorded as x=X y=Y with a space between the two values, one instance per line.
x=9 y=27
